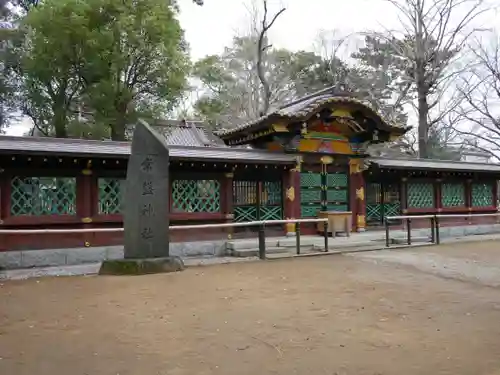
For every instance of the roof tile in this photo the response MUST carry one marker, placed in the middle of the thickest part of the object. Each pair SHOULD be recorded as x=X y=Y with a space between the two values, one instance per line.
x=90 y=148
x=435 y=164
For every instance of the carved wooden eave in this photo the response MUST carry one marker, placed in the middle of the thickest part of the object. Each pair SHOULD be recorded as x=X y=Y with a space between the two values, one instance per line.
x=367 y=120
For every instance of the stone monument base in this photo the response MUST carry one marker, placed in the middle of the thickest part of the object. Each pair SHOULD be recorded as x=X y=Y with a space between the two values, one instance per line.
x=141 y=266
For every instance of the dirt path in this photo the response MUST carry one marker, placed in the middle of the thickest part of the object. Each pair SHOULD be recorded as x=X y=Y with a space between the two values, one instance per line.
x=324 y=315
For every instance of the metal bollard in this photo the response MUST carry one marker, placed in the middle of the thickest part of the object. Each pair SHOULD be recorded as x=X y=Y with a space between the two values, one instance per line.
x=408 y=229
x=433 y=229
x=297 y=237
x=325 y=233
x=387 y=238
x=262 y=242
x=438 y=237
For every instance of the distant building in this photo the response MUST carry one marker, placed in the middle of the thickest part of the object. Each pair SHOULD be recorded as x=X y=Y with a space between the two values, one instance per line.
x=475 y=156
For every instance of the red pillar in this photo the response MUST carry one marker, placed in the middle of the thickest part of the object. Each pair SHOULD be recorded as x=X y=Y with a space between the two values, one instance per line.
x=291 y=196
x=227 y=200
x=4 y=205
x=86 y=184
x=438 y=194
x=357 y=194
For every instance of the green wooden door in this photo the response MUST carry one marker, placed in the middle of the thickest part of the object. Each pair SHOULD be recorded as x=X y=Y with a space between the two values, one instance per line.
x=336 y=191
x=382 y=199
x=311 y=194
x=257 y=200
x=323 y=192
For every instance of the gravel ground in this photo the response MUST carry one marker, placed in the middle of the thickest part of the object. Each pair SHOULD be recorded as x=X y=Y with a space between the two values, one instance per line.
x=425 y=311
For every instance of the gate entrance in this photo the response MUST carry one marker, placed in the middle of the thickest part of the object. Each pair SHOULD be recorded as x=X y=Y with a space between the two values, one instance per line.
x=323 y=188
x=382 y=199
x=257 y=200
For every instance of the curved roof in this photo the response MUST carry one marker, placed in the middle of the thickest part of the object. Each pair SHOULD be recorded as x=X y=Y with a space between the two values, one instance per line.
x=303 y=109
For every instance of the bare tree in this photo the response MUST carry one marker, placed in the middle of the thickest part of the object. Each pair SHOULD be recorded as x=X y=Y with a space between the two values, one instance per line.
x=262 y=46
x=481 y=92
x=433 y=37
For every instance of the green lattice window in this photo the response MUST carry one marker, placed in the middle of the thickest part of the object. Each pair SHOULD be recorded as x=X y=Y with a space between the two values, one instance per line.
x=245 y=201
x=110 y=195
x=482 y=195
x=336 y=195
x=307 y=196
x=310 y=179
x=310 y=211
x=420 y=195
x=244 y=193
x=36 y=196
x=311 y=193
x=195 y=196
x=337 y=207
x=336 y=179
x=271 y=193
x=453 y=195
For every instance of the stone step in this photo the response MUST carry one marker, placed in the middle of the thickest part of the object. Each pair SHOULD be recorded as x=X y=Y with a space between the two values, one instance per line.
x=254 y=243
x=249 y=244
x=404 y=241
x=254 y=252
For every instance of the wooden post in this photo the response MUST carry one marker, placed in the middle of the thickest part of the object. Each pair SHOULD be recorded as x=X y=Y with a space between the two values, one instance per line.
x=357 y=193
x=227 y=201
x=468 y=197
x=5 y=179
x=4 y=205
x=291 y=184
x=403 y=195
x=438 y=201
x=86 y=201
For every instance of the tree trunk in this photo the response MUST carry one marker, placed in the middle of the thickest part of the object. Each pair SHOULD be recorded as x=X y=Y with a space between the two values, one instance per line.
x=118 y=130
x=423 y=125
x=121 y=120
x=59 y=122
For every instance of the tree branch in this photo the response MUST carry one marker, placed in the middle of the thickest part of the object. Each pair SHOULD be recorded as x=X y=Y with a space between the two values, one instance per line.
x=260 y=56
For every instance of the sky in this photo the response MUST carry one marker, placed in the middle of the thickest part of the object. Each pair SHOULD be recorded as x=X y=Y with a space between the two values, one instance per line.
x=211 y=27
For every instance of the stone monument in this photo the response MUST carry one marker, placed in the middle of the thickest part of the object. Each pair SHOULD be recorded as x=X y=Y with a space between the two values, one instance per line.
x=146 y=208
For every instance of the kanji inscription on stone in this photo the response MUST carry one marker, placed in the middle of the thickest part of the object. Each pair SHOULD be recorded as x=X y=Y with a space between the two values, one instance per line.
x=146 y=210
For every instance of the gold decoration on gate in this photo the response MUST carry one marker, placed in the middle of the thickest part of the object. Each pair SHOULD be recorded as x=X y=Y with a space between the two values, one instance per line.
x=361 y=223
x=360 y=193
x=355 y=166
x=326 y=160
x=290 y=193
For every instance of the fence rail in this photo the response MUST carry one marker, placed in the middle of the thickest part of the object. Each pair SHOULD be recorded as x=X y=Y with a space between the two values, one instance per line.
x=434 y=221
x=261 y=233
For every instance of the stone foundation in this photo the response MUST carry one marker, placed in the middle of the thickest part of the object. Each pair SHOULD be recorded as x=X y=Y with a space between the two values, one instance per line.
x=74 y=256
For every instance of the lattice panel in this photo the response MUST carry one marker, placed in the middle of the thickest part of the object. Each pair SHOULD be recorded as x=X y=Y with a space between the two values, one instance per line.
x=271 y=193
x=420 y=195
x=482 y=195
x=36 y=196
x=336 y=195
x=336 y=179
x=453 y=195
x=374 y=212
x=340 y=207
x=374 y=193
x=310 y=179
x=110 y=195
x=271 y=213
x=392 y=209
x=196 y=196
x=310 y=211
x=307 y=196
x=245 y=213
x=244 y=192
